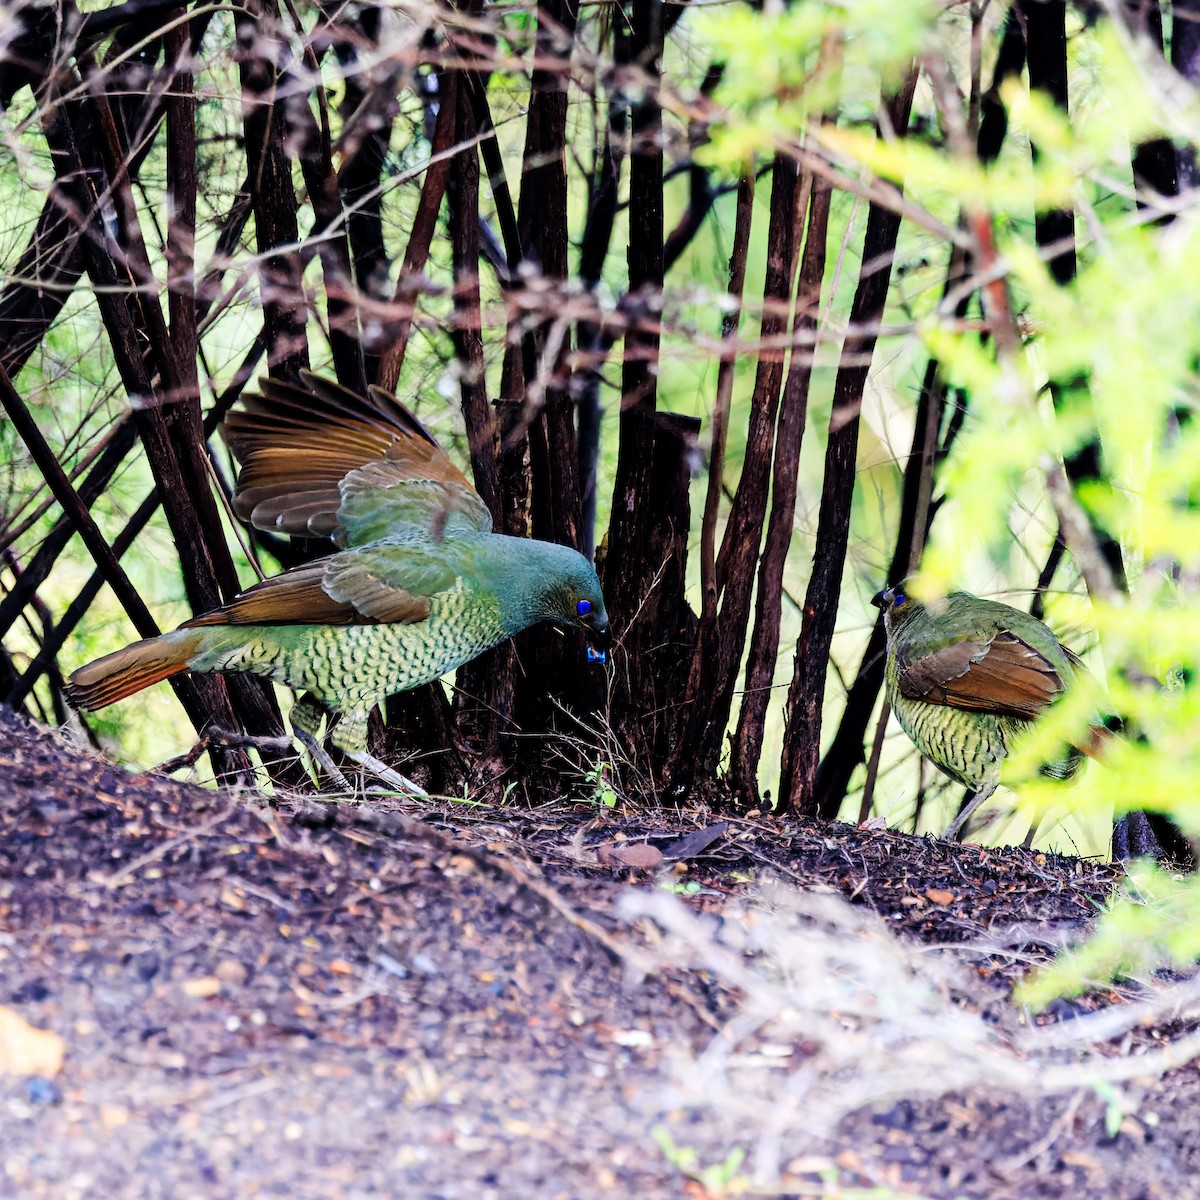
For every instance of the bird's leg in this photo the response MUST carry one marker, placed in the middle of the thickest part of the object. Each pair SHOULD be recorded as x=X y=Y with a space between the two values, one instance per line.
x=1049 y=821
x=350 y=736
x=392 y=778
x=968 y=811
x=306 y=716
x=321 y=757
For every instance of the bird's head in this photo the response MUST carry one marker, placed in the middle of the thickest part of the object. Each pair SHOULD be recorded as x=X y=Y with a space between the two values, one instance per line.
x=895 y=603
x=574 y=599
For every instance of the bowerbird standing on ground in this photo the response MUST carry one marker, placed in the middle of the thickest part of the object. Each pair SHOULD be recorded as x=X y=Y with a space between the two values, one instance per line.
x=965 y=677
x=419 y=585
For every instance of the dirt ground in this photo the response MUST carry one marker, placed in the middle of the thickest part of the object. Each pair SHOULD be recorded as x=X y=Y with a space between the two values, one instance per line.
x=348 y=1001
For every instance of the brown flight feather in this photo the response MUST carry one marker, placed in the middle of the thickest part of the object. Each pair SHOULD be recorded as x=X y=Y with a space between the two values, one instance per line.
x=1005 y=676
x=296 y=446
x=301 y=597
x=129 y=670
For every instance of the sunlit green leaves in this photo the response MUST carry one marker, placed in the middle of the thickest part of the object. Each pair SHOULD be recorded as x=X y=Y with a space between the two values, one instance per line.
x=775 y=77
x=1156 y=919
x=1009 y=183
x=1112 y=355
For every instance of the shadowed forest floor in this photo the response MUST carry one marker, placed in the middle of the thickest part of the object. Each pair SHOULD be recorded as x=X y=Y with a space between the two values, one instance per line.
x=341 y=1001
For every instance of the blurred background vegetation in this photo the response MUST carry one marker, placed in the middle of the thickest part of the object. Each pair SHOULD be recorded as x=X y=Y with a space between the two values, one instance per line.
x=824 y=277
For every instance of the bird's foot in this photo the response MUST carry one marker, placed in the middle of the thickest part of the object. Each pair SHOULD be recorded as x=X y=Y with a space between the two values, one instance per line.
x=370 y=764
x=955 y=828
x=321 y=757
x=392 y=778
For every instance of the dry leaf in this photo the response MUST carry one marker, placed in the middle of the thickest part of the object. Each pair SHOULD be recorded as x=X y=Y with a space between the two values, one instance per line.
x=203 y=988
x=696 y=842
x=641 y=856
x=25 y=1050
x=939 y=895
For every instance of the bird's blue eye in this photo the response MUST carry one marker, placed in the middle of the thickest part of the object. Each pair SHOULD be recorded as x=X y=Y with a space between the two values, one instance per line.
x=583 y=608
x=898 y=599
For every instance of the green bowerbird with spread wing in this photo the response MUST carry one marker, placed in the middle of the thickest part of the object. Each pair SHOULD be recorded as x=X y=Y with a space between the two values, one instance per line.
x=419 y=584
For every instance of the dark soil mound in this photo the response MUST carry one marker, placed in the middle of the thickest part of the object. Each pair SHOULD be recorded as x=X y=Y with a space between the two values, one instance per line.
x=325 y=1001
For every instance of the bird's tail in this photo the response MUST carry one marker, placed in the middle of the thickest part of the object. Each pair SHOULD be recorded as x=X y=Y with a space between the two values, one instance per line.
x=1100 y=737
x=127 y=671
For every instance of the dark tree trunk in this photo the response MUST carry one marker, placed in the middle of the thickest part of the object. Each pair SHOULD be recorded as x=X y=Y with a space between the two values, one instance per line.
x=420 y=237
x=554 y=667
x=702 y=673
x=272 y=196
x=1010 y=62
x=311 y=143
x=91 y=158
x=1185 y=58
x=847 y=749
x=603 y=202
x=19 y=687
x=806 y=695
x=1155 y=169
x=634 y=559
x=653 y=654
x=484 y=687
x=793 y=415
x=368 y=116
x=721 y=639
x=37 y=571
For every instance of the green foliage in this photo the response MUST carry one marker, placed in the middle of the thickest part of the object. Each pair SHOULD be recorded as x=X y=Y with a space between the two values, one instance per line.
x=776 y=76
x=1118 y=347
x=1155 y=920
x=1110 y=357
x=1116 y=1105
x=598 y=778
x=718 y=1179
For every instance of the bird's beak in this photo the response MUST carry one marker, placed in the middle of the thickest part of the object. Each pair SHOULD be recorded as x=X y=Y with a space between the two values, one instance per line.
x=597 y=642
x=884 y=599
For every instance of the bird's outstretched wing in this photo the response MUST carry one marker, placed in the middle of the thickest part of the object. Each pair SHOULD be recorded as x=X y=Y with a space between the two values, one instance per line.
x=321 y=461
x=1001 y=674
x=369 y=586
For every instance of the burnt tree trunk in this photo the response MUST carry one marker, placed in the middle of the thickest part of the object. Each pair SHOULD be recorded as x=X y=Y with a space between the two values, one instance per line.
x=92 y=162
x=806 y=695
x=551 y=667
x=272 y=196
x=1185 y=58
x=483 y=701
x=603 y=202
x=722 y=631
x=847 y=749
x=368 y=117
x=420 y=237
x=639 y=556
x=312 y=145
x=746 y=743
